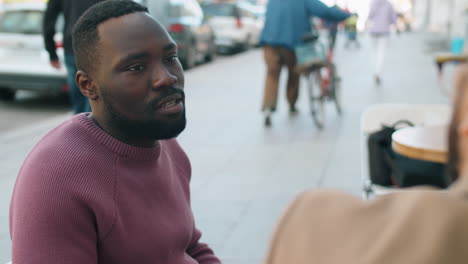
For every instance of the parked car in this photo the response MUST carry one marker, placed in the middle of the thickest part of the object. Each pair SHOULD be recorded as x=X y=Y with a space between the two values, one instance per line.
x=184 y=20
x=24 y=62
x=237 y=25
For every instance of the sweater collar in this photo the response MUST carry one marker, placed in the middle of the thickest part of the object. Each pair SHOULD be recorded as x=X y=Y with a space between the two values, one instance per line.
x=115 y=145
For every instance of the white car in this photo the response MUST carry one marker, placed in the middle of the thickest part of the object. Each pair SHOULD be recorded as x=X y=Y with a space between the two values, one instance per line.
x=237 y=25
x=24 y=62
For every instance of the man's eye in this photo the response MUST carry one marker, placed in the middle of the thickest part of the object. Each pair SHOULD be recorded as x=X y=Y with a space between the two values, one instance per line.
x=136 y=68
x=172 y=58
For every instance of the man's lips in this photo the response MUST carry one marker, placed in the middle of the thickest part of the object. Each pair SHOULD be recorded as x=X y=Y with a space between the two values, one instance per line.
x=169 y=101
x=170 y=105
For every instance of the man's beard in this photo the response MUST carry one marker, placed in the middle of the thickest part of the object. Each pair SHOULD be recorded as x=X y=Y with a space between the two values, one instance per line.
x=151 y=129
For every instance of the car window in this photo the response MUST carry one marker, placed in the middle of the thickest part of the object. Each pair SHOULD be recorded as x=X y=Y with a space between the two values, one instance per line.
x=224 y=10
x=25 y=22
x=30 y=22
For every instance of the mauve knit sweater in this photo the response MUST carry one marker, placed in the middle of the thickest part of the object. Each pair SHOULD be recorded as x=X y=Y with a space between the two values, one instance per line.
x=84 y=197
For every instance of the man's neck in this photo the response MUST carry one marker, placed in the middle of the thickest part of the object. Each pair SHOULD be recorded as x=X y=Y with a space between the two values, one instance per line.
x=141 y=143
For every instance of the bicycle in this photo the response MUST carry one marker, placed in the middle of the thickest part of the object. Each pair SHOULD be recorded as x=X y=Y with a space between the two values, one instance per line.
x=323 y=82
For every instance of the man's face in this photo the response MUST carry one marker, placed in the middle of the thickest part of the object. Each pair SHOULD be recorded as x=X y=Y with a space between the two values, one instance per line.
x=139 y=78
x=457 y=141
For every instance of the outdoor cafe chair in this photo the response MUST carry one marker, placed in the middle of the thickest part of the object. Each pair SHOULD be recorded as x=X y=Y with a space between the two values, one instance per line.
x=375 y=116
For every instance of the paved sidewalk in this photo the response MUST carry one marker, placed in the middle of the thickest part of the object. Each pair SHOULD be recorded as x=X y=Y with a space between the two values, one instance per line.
x=243 y=174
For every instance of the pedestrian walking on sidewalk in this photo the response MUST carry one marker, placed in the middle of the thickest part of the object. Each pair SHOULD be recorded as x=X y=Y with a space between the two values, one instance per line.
x=113 y=186
x=71 y=11
x=285 y=25
x=352 y=31
x=382 y=16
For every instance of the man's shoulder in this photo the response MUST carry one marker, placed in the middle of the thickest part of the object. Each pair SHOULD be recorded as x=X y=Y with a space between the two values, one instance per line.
x=420 y=224
x=63 y=136
x=68 y=143
x=178 y=155
x=428 y=202
x=173 y=147
x=66 y=155
x=313 y=203
x=313 y=197
x=418 y=201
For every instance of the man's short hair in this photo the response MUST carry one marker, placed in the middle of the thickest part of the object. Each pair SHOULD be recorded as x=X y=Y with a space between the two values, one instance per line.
x=85 y=31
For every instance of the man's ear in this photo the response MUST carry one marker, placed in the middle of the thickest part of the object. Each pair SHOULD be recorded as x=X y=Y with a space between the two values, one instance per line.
x=86 y=85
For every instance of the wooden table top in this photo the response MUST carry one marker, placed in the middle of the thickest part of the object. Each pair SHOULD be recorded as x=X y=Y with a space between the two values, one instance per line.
x=450 y=57
x=427 y=143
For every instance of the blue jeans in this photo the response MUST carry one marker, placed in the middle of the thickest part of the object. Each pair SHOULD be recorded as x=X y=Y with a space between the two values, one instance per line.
x=79 y=102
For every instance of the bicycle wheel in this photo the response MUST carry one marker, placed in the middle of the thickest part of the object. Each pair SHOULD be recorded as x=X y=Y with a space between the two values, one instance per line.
x=316 y=99
x=335 y=89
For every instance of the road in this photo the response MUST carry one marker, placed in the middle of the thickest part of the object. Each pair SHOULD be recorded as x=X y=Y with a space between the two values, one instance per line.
x=29 y=107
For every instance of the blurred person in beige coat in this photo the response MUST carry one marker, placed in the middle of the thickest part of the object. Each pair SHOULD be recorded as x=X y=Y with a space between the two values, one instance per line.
x=416 y=226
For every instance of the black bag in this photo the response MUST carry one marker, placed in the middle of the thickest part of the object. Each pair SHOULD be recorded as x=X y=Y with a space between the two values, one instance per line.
x=388 y=168
x=410 y=172
x=380 y=146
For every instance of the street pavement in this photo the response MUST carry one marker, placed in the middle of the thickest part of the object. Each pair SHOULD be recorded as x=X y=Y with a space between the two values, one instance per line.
x=244 y=174
x=30 y=106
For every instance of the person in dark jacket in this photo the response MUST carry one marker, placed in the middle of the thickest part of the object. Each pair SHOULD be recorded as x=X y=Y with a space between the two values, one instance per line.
x=285 y=25
x=71 y=11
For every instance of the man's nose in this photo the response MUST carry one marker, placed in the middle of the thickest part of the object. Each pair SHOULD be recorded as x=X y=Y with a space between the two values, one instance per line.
x=163 y=78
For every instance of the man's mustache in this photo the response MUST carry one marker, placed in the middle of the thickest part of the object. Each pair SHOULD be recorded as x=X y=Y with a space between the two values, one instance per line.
x=165 y=92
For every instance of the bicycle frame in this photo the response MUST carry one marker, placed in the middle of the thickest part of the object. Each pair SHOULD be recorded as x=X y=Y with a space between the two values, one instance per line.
x=326 y=73
x=323 y=80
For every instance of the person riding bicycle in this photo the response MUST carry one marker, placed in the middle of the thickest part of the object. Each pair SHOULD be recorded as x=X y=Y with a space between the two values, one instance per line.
x=285 y=24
